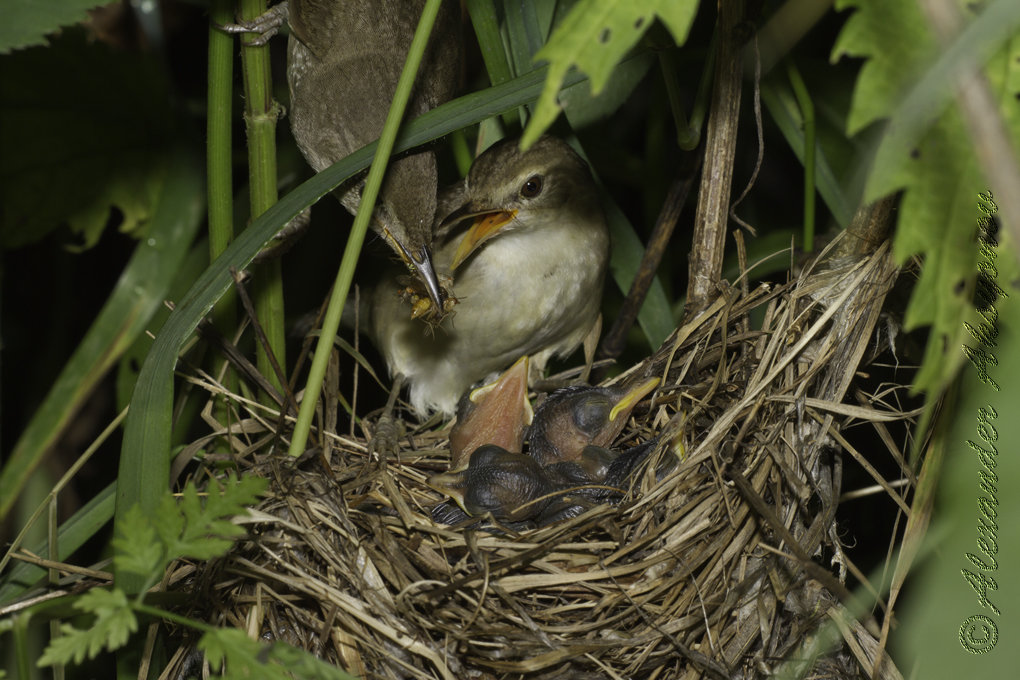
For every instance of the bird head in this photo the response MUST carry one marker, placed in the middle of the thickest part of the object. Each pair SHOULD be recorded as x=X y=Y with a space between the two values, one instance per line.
x=510 y=486
x=575 y=417
x=509 y=190
x=404 y=218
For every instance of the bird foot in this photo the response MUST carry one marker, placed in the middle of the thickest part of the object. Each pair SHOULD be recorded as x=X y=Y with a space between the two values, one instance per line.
x=265 y=25
x=385 y=437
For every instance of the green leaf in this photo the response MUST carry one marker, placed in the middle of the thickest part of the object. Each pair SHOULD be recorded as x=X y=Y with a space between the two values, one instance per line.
x=305 y=665
x=139 y=292
x=594 y=37
x=926 y=151
x=95 y=136
x=28 y=22
x=114 y=623
x=138 y=549
x=235 y=655
x=186 y=528
x=977 y=510
x=893 y=37
x=206 y=530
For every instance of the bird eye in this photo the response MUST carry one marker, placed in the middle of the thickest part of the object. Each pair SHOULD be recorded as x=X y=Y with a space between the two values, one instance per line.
x=532 y=187
x=592 y=414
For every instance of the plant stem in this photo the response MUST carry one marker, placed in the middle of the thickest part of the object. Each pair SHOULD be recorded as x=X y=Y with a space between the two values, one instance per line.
x=807 y=112
x=260 y=116
x=219 y=165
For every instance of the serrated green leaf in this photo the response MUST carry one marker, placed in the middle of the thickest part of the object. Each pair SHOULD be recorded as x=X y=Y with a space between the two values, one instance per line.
x=305 y=665
x=894 y=39
x=206 y=529
x=594 y=37
x=235 y=655
x=171 y=522
x=95 y=136
x=28 y=22
x=114 y=623
x=138 y=549
x=926 y=151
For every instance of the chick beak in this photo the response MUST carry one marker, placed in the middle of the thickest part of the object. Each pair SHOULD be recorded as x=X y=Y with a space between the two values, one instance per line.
x=499 y=415
x=450 y=484
x=486 y=225
x=630 y=399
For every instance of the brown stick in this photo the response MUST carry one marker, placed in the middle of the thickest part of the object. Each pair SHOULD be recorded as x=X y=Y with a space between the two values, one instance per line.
x=707 y=248
x=615 y=340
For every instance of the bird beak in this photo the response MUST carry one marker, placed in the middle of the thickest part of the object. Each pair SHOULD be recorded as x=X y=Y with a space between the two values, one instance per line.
x=486 y=225
x=629 y=400
x=421 y=263
x=450 y=484
x=427 y=275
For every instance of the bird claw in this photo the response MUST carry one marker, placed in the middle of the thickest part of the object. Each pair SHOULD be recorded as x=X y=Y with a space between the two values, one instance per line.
x=266 y=25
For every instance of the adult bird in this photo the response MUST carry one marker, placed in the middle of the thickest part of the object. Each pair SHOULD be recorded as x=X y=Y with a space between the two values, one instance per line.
x=527 y=273
x=344 y=60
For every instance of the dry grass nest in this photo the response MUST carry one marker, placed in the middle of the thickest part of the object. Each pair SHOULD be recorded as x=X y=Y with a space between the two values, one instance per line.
x=729 y=566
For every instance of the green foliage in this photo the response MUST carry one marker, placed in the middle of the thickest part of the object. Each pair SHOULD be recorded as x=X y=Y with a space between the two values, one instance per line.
x=113 y=624
x=147 y=544
x=595 y=36
x=927 y=152
x=185 y=528
x=238 y=656
x=96 y=135
x=28 y=22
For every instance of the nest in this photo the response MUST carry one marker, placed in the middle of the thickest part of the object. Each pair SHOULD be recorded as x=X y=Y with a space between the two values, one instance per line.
x=727 y=567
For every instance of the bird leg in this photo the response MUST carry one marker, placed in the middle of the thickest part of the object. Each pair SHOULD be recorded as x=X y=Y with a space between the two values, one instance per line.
x=266 y=25
x=387 y=432
x=590 y=344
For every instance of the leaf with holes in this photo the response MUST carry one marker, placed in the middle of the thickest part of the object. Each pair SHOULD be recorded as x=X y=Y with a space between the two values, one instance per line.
x=927 y=152
x=594 y=37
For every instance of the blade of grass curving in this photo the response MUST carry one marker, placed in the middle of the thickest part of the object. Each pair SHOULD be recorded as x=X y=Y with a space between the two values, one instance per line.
x=147 y=431
x=138 y=294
